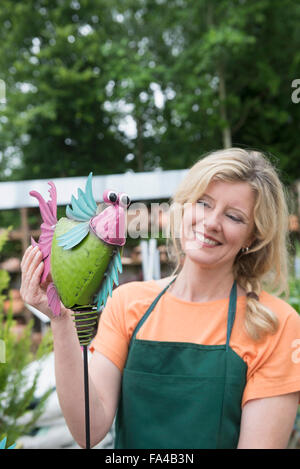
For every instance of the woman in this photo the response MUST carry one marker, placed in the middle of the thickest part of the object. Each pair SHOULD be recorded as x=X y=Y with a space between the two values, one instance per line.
x=206 y=358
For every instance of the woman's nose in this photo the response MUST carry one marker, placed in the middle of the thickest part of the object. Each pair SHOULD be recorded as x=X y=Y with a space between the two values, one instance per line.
x=211 y=220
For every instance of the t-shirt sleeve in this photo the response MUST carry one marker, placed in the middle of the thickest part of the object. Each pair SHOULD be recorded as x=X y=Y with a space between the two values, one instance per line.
x=277 y=370
x=111 y=339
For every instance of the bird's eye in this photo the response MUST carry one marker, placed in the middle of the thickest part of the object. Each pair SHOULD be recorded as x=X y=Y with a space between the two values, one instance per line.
x=112 y=197
x=124 y=200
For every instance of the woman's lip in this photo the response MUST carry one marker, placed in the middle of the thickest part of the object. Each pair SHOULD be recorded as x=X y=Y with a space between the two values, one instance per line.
x=208 y=237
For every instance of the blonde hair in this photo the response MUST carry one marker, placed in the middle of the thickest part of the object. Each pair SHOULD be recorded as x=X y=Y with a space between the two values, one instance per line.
x=265 y=266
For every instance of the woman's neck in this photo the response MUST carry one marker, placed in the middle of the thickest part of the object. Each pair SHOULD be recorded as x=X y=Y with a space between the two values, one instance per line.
x=200 y=284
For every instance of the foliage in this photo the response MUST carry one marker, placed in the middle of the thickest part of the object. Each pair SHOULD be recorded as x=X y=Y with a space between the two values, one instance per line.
x=17 y=389
x=294 y=299
x=3 y=444
x=190 y=76
x=4 y=277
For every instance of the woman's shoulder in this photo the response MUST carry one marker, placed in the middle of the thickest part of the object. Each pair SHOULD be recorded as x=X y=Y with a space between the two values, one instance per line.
x=163 y=282
x=138 y=290
x=145 y=285
x=283 y=309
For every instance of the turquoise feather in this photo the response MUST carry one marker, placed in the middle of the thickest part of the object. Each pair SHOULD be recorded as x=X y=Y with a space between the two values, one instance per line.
x=81 y=210
x=85 y=207
x=89 y=198
x=73 y=236
x=110 y=278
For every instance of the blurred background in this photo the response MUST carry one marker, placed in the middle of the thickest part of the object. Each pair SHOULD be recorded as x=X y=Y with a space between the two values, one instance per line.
x=133 y=91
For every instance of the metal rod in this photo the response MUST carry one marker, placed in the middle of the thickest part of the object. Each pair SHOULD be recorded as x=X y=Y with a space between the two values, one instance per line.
x=86 y=397
x=85 y=319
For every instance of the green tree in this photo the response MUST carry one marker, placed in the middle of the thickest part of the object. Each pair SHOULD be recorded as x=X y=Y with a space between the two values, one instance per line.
x=58 y=69
x=221 y=68
x=231 y=77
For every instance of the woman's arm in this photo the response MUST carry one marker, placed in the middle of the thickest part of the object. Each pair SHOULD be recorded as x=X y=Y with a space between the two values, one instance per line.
x=267 y=423
x=104 y=376
x=104 y=384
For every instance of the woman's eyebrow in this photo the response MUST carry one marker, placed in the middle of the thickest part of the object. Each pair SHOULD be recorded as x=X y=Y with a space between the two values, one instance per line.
x=235 y=208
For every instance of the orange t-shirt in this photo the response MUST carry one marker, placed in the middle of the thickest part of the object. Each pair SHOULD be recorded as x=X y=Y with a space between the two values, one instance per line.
x=273 y=364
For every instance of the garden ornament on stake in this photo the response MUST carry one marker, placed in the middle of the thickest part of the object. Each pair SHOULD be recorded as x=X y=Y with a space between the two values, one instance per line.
x=83 y=255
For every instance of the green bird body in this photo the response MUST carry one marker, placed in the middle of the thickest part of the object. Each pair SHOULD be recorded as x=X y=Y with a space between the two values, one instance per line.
x=78 y=273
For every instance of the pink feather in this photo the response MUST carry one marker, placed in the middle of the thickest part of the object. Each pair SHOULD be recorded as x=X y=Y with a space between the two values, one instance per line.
x=49 y=215
x=53 y=299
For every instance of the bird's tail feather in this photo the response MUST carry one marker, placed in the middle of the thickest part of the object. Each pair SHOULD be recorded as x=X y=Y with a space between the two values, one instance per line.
x=49 y=215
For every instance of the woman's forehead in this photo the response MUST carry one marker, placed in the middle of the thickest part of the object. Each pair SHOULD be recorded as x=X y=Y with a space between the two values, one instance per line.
x=234 y=195
x=236 y=192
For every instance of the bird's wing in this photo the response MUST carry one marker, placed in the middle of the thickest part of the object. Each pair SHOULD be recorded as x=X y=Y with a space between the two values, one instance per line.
x=74 y=236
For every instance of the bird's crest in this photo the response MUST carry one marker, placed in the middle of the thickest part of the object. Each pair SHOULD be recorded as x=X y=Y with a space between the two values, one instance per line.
x=82 y=210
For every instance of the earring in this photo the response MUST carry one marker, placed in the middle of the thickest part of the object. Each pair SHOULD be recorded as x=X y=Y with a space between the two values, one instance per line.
x=246 y=249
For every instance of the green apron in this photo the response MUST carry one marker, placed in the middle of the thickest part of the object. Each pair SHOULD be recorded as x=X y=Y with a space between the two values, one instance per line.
x=179 y=394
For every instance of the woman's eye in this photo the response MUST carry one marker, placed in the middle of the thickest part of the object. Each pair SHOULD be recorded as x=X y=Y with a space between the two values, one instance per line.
x=235 y=219
x=238 y=220
x=201 y=202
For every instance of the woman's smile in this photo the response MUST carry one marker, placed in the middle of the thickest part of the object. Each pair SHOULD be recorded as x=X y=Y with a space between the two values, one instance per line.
x=224 y=218
x=206 y=240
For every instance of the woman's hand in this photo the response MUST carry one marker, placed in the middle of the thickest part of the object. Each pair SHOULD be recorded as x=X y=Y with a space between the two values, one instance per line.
x=32 y=292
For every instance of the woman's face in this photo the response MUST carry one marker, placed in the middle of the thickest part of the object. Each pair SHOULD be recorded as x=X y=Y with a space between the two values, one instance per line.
x=225 y=213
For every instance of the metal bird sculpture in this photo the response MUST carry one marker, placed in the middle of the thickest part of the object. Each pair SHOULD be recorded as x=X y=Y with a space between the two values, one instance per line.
x=83 y=255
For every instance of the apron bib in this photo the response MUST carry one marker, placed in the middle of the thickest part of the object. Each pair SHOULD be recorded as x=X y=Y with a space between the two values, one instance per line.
x=181 y=395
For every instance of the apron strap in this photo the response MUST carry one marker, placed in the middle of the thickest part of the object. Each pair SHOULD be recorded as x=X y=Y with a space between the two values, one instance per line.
x=230 y=316
x=231 y=312
x=149 y=310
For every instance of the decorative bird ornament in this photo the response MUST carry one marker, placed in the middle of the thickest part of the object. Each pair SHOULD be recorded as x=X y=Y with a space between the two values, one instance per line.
x=82 y=252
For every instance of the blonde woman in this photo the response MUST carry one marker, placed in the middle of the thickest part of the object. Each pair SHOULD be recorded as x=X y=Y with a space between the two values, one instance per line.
x=210 y=356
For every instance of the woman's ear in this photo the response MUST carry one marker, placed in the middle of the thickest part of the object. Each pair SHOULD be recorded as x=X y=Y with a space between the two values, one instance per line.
x=251 y=241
